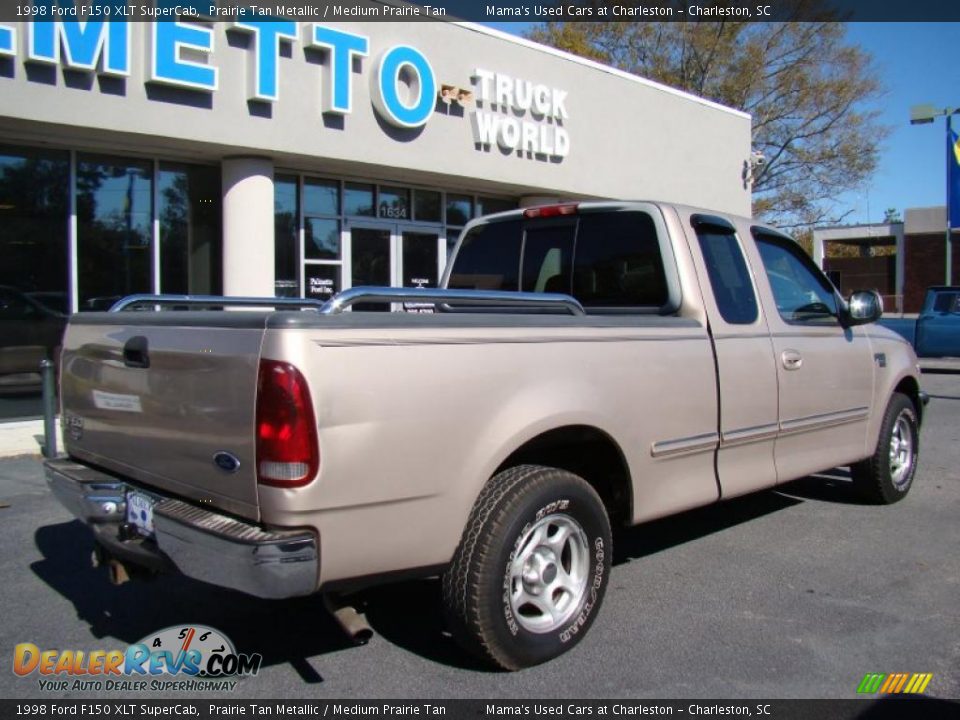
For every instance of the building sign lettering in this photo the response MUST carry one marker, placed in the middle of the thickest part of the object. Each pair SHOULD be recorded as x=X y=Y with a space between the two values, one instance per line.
x=529 y=116
x=512 y=113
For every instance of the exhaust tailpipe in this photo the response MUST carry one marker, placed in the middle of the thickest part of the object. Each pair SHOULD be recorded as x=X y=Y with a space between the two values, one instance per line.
x=353 y=623
x=119 y=573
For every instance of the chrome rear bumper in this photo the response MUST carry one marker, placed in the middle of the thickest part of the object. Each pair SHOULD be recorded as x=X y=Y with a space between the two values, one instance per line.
x=199 y=543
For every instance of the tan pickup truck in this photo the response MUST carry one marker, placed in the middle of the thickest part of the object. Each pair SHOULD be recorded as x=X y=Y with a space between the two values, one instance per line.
x=585 y=365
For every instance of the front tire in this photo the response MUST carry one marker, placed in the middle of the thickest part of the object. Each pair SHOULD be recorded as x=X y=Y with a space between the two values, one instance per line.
x=531 y=571
x=887 y=476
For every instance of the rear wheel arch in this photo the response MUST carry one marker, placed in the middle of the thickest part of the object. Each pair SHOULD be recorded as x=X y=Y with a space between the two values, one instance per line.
x=585 y=451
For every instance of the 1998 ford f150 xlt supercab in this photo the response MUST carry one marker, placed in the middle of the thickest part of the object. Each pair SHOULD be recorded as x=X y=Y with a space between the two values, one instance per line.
x=587 y=365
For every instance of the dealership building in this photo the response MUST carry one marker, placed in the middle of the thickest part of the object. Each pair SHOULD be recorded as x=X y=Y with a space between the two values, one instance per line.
x=300 y=159
x=899 y=259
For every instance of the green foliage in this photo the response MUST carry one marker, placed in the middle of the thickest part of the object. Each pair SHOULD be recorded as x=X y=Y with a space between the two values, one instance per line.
x=808 y=91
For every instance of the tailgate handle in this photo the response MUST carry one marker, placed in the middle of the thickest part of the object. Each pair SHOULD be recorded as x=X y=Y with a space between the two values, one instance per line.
x=136 y=352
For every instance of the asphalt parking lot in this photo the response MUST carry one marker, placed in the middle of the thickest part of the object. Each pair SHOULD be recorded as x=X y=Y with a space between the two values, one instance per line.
x=790 y=593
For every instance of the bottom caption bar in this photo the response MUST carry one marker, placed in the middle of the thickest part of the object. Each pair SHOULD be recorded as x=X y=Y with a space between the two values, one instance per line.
x=928 y=708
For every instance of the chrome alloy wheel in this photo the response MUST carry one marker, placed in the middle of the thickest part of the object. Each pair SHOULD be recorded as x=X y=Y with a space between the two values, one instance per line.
x=902 y=451
x=548 y=575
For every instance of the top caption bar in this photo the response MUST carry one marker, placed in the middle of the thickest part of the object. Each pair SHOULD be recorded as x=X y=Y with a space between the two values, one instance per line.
x=483 y=11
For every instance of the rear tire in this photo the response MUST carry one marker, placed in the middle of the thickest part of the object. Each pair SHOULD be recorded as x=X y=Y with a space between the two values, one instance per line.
x=887 y=476
x=531 y=570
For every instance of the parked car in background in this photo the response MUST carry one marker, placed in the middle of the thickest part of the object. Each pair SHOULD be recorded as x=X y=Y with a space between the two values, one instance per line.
x=936 y=332
x=30 y=331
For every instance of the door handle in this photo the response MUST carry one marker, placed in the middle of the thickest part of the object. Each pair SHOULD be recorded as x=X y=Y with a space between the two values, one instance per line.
x=791 y=359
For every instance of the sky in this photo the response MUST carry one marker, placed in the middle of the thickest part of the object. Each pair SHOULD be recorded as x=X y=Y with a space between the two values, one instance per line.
x=918 y=63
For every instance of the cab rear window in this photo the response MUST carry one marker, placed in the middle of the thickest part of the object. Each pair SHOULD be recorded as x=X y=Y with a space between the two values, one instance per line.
x=606 y=260
x=489 y=258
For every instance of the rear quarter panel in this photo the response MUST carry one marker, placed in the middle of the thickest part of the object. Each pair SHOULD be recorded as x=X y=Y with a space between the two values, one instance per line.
x=413 y=422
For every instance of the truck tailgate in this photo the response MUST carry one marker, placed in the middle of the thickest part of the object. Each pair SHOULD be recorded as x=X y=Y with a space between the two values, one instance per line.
x=162 y=397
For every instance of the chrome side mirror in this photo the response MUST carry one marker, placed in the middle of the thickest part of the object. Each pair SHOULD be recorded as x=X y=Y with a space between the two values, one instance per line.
x=864 y=306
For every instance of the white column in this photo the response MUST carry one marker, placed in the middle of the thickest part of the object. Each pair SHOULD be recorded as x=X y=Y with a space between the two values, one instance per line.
x=900 y=267
x=818 y=249
x=248 y=226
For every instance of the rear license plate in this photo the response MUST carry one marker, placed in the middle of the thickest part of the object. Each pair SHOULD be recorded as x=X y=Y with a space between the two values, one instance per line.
x=140 y=512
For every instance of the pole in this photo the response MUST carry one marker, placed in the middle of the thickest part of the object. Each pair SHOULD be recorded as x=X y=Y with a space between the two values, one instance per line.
x=47 y=373
x=949 y=238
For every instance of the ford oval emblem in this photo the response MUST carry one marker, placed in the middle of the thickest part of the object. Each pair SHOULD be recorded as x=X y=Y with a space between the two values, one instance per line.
x=227 y=462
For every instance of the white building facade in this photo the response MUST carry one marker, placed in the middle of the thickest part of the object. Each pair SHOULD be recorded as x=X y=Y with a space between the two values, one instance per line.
x=300 y=159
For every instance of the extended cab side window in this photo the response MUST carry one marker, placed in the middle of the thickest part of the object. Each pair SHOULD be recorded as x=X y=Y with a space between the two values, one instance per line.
x=727 y=269
x=802 y=293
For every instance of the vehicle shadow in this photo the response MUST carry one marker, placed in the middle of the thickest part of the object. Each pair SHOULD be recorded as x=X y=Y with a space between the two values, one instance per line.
x=282 y=631
x=408 y=614
x=633 y=543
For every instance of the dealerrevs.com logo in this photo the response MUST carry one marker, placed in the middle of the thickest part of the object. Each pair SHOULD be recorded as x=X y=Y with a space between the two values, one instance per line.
x=181 y=657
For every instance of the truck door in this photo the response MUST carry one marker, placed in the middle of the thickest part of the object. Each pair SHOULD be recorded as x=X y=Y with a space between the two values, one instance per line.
x=825 y=370
x=746 y=369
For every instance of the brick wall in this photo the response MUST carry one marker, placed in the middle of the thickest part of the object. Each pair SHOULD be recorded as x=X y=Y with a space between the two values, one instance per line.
x=864 y=273
x=924 y=266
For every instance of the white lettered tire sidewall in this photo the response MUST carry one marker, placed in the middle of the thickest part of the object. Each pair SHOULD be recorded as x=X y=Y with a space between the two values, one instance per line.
x=565 y=495
x=874 y=477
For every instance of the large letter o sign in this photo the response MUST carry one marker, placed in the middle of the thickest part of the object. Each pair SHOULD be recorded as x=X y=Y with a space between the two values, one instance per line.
x=399 y=66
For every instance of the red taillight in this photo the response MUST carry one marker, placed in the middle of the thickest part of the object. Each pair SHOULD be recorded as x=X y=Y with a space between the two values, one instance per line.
x=287 y=450
x=545 y=211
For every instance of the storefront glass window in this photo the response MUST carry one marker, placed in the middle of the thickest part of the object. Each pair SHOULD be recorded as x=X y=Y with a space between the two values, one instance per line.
x=337 y=247
x=358 y=199
x=490 y=205
x=286 y=223
x=322 y=282
x=426 y=206
x=394 y=203
x=321 y=197
x=322 y=239
x=190 y=238
x=34 y=300
x=419 y=259
x=114 y=218
x=459 y=209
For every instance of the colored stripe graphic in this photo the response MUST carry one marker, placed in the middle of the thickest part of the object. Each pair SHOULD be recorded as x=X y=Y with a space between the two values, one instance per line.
x=871 y=683
x=894 y=683
x=891 y=681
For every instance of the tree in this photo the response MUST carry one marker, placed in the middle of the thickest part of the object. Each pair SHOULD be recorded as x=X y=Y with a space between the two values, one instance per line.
x=807 y=90
x=892 y=215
